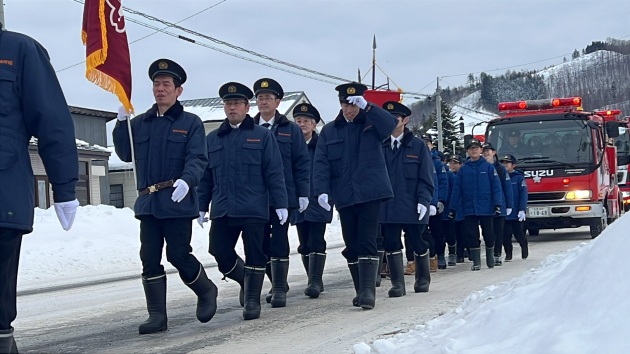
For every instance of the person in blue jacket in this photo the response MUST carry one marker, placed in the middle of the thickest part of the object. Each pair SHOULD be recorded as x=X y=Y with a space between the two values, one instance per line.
x=515 y=220
x=448 y=225
x=478 y=188
x=171 y=156
x=297 y=174
x=32 y=104
x=436 y=228
x=455 y=164
x=311 y=224
x=490 y=154
x=350 y=169
x=410 y=172
x=244 y=177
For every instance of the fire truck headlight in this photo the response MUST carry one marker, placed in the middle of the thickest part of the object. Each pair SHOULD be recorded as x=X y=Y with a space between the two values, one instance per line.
x=579 y=194
x=625 y=194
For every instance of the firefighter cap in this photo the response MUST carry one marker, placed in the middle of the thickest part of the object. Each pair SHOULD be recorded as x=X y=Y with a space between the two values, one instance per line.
x=397 y=109
x=306 y=110
x=167 y=67
x=266 y=85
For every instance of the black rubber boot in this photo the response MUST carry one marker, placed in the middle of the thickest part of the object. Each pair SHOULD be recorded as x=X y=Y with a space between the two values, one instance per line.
x=524 y=250
x=381 y=254
x=315 y=272
x=279 y=272
x=396 y=273
x=237 y=274
x=155 y=293
x=368 y=272
x=441 y=261
x=206 y=293
x=305 y=262
x=475 y=254
x=254 y=278
x=7 y=342
x=268 y=272
x=423 y=273
x=452 y=255
x=490 y=257
x=354 y=272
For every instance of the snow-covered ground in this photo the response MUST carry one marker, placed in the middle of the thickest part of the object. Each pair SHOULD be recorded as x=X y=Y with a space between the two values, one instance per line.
x=576 y=302
x=103 y=243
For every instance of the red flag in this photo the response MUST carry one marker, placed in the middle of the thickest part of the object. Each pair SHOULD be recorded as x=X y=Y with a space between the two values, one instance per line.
x=107 y=52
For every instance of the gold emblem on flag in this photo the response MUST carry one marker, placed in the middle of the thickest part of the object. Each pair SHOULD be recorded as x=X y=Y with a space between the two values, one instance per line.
x=304 y=109
x=163 y=65
x=231 y=89
x=264 y=84
x=390 y=106
x=351 y=91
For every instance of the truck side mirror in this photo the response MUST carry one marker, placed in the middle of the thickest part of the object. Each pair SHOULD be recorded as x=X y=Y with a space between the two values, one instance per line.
x=612 y=129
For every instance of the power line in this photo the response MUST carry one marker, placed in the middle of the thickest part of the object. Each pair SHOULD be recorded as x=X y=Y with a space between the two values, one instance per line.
x=150 y=34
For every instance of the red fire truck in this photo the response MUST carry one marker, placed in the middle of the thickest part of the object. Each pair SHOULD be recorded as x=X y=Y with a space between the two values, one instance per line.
x=622 y=143
x=569 y=168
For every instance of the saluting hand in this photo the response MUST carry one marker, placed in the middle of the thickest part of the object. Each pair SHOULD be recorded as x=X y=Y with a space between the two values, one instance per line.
x=358 y=101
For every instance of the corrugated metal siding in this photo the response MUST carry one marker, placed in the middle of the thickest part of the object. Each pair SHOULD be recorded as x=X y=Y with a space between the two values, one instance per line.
x=129 y=187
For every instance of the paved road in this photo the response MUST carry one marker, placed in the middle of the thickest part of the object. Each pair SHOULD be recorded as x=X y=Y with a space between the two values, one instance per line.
x=104 y=318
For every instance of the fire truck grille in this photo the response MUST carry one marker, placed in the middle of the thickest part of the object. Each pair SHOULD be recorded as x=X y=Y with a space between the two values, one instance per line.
x=545 y=196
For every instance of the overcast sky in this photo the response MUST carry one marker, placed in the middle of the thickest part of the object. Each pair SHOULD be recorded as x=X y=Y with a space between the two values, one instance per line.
x=417 y=41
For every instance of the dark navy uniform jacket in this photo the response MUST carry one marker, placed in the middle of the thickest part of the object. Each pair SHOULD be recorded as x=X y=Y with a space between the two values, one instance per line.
x=477 y=187
x=349 y=162
x=506 y=187
x=411 y=175
x=442 y=178
x=451 y=179
x=166 y=148
x=295 y=158
x=314 y=212
x=32 y=105
x=244 y=176
x=519 y=192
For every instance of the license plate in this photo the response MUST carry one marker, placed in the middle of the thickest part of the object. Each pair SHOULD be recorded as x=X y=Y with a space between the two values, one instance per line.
x=534 y=212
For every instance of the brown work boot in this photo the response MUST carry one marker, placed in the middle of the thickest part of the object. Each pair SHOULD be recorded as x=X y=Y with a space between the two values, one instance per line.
x=433 y=264
x=410 y=269
x=384 y=270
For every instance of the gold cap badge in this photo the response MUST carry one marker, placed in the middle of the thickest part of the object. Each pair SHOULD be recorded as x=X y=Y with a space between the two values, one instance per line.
x=264 y=84
x=351 y=91
x=304 y=109
x=390 y=106
x=162 y=65
x=231 y=89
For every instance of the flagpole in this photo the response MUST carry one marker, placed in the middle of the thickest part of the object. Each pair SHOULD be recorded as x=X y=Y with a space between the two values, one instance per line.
x=133 y=155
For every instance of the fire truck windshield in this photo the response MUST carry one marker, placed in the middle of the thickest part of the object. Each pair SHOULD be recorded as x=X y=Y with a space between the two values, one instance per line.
x=544 y=142
x=622 y=142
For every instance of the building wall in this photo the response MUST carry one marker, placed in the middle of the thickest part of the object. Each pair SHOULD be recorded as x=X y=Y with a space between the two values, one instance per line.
x=129 y=185
x=90 y=129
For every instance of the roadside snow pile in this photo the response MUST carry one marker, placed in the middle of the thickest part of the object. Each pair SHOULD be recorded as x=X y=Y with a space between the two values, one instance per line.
x=576 y=302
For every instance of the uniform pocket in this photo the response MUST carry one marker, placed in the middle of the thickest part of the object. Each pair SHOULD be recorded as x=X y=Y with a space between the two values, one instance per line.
x=7 y=159
x=411 y=168
x=141 y=146
x=8 y=95
x=214 y=155
x=176 y=146
x=251 y=159
x=334 y=148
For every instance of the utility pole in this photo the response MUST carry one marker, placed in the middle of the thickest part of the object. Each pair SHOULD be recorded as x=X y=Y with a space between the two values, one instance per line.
x=438 y=112
x=359 y=75
x=2 y=14
x=373 y=61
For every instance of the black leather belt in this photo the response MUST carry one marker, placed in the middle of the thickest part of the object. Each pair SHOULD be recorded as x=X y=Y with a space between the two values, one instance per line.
x=156 y=187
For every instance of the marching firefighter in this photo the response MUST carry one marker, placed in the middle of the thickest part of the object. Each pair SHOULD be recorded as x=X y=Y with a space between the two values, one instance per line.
x=478 y=188
x=350 y=168
x=410 y=170
x=311 y=224
x=490 y=154
x=171 y=156
x=243 y=179
x=515 y=220
x=435 y=219
x=296 y=163
x=454 y=164
x=33 y=104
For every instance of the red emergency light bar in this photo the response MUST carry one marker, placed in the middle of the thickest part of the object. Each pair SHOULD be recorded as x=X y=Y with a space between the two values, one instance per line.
x=540 y=104
x=610 y=112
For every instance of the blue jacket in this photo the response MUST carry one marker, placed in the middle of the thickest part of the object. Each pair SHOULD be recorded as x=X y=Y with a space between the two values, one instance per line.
x=478 y=188
x=451 y=179
x=349 y=162
x=295 y=157
x=519 y=191
x=314 y=212
x=434 y=197
x=411 y=175
x=440 y=170
x=166 y=148
x=32 y=105
x=244 y=177
x=506 y=187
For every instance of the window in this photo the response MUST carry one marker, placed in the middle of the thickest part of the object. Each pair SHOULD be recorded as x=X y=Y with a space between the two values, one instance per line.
x=83 y=185
x=116 y=197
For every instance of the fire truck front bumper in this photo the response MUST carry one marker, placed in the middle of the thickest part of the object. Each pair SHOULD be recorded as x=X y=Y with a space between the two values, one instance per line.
x=564 y=215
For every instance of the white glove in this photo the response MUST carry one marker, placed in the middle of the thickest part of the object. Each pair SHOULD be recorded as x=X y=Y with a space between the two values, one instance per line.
x=181 y=189
x=283 y=214
x=202 y=218
x=422 y=210
x=432 y=210
x=358 y=101
x=322 y=200
x=303 y=203
x=66 y=212
x=508 y=211
x=440 y=207
x=123 y=115
x=521 y=215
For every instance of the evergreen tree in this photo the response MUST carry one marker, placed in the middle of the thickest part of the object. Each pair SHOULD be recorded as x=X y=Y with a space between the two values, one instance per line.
x=575 y=54
x=450 y=128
